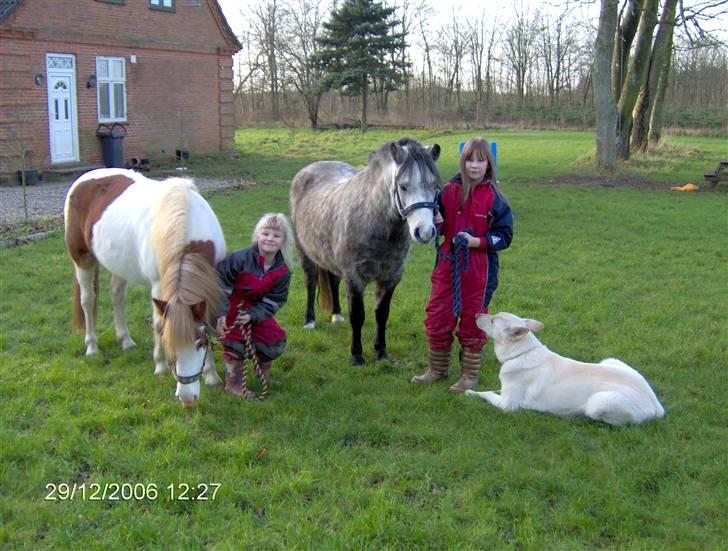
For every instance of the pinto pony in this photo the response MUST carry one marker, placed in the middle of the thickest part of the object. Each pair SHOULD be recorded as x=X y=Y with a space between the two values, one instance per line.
x=357 y=225
x=163 y=235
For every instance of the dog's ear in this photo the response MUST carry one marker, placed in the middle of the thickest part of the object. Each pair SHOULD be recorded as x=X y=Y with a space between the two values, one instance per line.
x=517 y=332
x=534 y=325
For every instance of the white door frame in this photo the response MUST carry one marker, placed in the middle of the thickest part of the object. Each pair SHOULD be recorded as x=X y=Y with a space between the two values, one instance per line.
x=62 y=135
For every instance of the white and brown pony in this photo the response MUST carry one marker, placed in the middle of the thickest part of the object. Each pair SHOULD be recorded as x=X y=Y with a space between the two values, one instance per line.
x=163 y=235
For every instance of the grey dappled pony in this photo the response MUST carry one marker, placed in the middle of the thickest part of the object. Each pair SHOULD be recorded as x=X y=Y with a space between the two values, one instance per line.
x=356 y=225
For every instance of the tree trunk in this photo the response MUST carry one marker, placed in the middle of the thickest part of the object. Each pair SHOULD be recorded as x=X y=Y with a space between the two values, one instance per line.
x=606 y=110
x=659 y=63
x=312 y=105
x=364 y=100
x=626 y=29
x=635 y=77
x=663 y=55
x=654 y=134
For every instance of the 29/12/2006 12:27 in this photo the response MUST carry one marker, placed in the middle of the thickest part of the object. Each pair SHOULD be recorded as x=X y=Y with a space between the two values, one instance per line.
x=114 y=491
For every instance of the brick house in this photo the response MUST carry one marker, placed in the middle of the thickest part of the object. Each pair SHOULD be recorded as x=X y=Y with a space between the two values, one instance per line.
x=161 y=68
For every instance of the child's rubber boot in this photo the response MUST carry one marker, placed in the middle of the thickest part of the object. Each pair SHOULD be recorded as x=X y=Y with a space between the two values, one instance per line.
x=437 y=369
x=469 y=372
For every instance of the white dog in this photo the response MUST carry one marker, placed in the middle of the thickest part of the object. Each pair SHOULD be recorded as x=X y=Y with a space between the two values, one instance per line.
x=533 y=377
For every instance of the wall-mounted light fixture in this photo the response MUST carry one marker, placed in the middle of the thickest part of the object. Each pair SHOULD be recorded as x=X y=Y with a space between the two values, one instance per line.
x=91 y=82
x=132 y=58
x=39 y=79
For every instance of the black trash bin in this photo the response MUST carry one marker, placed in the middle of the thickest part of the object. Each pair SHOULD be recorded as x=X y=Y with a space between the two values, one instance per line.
x=112 y=144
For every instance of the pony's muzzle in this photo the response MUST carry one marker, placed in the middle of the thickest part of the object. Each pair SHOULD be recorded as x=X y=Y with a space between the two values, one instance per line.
x=188 y=395
x=424 y=234
x=189 y=403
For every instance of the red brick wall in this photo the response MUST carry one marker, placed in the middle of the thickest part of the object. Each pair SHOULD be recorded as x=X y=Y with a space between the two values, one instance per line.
x=179 y=93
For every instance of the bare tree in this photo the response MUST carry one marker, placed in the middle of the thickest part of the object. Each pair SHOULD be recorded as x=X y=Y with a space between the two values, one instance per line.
x=452 y=49
x=428 y=75
x=627 y=23
x=481 y=43
x=301 y=25
x=648 y=111
x=635 y=76
x=606 y=149
x=556 y=47
x=265 y=26
x=519 y=45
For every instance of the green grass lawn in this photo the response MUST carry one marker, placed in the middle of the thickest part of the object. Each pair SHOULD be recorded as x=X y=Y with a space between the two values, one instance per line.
x=339 y=457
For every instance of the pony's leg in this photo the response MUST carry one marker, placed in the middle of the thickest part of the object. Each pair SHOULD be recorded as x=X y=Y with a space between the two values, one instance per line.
x=383 y=298
x=309 y=274
x=209 y=373
x=86 y=282
x=118 y=296
x=356 y=318
x=160 y=358
x=334 y=282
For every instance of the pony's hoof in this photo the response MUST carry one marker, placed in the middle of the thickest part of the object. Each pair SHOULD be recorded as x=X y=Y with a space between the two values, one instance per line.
x=310 y=325
x=92 y=350
x=357 y=360
x=469 y=392
x=215 y=381
x=127 y=343
x=337 y=318
x=383 y=357
x=160 y=368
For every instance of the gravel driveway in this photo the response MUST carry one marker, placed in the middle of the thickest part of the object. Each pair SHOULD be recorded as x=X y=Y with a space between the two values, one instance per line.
x=46 y=200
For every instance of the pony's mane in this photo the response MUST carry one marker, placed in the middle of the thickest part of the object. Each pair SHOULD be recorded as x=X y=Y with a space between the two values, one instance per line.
x=169 y=229
x=186 y=275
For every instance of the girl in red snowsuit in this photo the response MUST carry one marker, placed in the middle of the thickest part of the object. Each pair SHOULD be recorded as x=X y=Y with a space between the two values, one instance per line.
x=476 y=222
x=256 y=281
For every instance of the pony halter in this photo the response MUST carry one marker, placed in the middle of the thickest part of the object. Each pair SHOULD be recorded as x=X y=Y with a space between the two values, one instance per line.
x=189 y=379
x=404 y=211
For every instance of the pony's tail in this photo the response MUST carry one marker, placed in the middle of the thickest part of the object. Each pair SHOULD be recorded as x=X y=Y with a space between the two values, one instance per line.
x=79 y=319
x=325 y=299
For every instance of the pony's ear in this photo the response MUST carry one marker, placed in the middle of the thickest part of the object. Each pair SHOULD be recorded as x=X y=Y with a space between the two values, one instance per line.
x=534 y=325
x=398 y=153
x=435 y=152
x=199 y=310
x=160 y=305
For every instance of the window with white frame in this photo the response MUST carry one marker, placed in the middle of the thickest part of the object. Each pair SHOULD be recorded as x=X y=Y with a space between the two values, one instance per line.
x=167 y=5
x=111 y=88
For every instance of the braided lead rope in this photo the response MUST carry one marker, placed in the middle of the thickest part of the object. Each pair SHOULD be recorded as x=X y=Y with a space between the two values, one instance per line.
x=459 y=265
x=459 y=259
x=246 y=330
x=250 y=354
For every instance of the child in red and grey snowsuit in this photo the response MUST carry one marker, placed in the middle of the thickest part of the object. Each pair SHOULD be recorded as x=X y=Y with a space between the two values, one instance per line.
x=256 y=281
x=476 y=222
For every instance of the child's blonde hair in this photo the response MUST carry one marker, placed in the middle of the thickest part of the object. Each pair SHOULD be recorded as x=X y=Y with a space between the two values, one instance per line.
x=279 y=222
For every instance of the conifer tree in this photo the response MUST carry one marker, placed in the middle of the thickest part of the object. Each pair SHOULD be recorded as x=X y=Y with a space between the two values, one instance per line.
x=358 y=44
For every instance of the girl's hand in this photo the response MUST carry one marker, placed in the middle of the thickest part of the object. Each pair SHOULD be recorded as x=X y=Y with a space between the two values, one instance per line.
x=438 y=217
x=244 y=319
x=473 y=242
x=221 y=325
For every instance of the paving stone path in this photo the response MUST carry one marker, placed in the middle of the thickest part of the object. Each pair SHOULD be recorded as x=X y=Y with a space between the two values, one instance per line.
x=46 y=200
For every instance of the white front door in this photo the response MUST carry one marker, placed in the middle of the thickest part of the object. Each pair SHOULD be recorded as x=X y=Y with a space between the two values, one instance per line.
x=63 y=122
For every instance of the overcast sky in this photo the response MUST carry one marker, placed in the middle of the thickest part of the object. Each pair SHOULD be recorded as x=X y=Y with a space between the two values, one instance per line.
x=581 y=10
x=445 y=8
